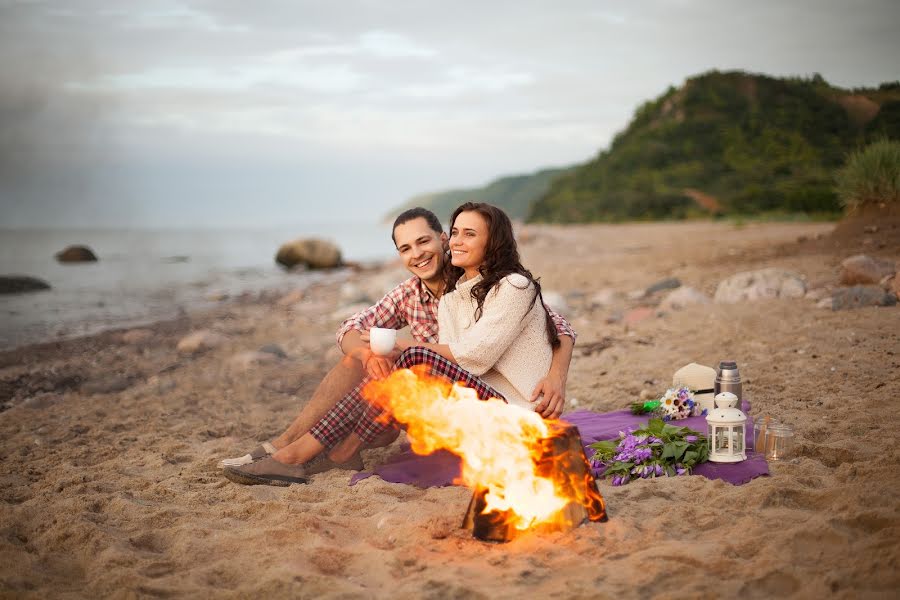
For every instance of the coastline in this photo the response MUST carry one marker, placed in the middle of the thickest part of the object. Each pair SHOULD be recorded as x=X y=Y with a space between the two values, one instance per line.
x=109 y=485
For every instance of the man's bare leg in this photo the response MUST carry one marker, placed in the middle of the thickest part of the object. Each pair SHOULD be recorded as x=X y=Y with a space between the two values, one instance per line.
x=339 y=382
x=301 y=450
x=306 y=447
x=346 y=448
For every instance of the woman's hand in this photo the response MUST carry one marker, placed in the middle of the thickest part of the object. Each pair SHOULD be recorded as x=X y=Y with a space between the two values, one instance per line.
x=549 y=396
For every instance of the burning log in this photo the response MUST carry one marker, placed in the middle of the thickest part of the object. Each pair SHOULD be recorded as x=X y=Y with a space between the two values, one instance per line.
x=561 y=460
x=526 y=473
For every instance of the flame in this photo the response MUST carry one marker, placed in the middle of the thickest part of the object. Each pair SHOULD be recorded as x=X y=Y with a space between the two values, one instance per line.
x=500 y=445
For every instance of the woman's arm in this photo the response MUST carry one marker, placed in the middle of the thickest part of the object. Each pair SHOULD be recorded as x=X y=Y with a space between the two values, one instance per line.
x=442 y=349
x=502 y=320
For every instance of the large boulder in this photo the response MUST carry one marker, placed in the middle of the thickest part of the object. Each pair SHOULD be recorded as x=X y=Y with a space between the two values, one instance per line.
x=76 y=254
x=862 y=269
x=17 y=284
x=311 y=252
x=760 y=285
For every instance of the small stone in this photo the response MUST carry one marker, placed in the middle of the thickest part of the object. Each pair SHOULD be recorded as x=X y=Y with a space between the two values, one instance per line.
x=245 y=361
x=41 y=401
x=291 y=298
x=870 y=229
x=863 y=269
x=636 y=315
x=275 y=349
x=861 y=295
x=636 y=295
x=817 y=294
x=106 y=385
x=615 y=317
x=200 y=341
x=825 y=303
x=683 y=297
x=605 y=297
x=670 y=283
x=646 y=394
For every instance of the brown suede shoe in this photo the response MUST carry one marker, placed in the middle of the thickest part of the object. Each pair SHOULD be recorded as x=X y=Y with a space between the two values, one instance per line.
x=267 y=471
x=322 y=463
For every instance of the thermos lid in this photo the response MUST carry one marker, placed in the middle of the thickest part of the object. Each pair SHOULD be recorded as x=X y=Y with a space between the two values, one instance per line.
x=727 y=365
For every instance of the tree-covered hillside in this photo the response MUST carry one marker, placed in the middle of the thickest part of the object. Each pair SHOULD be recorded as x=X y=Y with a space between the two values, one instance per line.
x=733 y=143
x=515 y=195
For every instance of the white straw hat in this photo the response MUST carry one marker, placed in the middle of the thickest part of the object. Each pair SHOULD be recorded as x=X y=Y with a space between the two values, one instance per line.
x=701 y=380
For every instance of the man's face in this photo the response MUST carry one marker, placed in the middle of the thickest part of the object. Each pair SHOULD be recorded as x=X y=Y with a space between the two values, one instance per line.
x=421 y=248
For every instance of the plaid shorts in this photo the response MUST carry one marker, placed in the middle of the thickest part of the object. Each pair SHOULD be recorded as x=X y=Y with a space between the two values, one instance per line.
x=354 y=415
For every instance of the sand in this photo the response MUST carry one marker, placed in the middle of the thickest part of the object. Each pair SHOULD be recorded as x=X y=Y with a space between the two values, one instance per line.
x=109 y=484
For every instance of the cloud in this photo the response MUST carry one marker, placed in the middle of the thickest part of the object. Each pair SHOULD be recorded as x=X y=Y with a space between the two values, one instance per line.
x=101 y=103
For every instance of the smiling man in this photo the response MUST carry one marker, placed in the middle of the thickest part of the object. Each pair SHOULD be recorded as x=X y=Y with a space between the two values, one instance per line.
x=422 y=246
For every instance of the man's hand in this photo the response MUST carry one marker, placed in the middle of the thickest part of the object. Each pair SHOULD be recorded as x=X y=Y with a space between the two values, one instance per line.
x=549 y=396
x=376 y=367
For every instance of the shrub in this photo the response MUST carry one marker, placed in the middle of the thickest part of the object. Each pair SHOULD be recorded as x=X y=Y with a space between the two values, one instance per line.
x=871 y=176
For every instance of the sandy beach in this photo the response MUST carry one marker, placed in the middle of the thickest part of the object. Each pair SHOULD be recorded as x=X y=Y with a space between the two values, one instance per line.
x=109 y=484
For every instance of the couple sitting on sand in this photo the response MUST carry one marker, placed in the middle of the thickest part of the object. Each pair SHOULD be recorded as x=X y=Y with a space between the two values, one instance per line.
x=480 y=320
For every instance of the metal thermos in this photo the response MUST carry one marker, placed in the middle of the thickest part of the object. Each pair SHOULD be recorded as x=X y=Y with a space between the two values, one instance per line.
x=728 y=379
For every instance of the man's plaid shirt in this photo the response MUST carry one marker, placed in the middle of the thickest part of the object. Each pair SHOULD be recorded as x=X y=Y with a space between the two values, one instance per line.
x=412 y=303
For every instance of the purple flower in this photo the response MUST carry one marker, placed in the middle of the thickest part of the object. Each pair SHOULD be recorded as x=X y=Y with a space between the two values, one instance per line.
x=690 y=438
x=680 y=470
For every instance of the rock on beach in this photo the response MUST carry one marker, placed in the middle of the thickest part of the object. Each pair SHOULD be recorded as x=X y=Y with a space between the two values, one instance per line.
x=760 y=285
x=859 y=296
x=682 y=297
x=200 y=341
x=863 y=269
x=311 y=252
x=73 y=254
x=18 y=284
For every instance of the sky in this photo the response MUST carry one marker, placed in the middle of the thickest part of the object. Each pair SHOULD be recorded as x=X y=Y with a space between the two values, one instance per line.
x=224 y=114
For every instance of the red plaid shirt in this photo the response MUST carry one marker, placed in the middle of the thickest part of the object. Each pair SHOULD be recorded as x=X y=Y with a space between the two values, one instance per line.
x=412 y=303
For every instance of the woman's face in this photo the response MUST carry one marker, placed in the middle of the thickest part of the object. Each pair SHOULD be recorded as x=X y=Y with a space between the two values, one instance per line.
x=468 y=241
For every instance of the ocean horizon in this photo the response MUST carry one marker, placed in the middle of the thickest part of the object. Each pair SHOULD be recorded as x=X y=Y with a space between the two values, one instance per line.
x=147 y=275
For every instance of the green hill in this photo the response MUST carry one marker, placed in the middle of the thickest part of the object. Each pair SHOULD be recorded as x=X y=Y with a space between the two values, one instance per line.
x=730 y=142
x=513 y=194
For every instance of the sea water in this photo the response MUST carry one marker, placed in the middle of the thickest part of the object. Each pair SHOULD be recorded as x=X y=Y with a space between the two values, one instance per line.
x=143 y=276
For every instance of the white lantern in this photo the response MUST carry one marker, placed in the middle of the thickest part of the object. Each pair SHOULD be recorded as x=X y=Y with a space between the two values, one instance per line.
x=726 y=430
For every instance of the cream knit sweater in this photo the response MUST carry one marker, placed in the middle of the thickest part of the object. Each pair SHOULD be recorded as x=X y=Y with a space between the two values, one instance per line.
x=507 y=347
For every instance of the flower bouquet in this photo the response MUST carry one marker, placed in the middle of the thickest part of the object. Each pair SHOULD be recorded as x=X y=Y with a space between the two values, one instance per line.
x=676 y=404
x=654 y=450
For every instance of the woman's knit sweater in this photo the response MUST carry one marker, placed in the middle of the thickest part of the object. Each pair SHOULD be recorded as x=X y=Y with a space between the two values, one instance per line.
x=507 y=347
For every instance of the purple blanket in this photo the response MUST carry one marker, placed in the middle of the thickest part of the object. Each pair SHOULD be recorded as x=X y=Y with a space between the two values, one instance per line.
x=442 y=468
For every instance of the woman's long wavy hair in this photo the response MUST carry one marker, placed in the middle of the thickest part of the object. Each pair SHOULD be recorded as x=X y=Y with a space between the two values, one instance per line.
x=501 y=258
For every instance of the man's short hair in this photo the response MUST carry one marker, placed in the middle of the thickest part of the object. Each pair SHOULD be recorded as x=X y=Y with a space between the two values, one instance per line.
x=417 y=213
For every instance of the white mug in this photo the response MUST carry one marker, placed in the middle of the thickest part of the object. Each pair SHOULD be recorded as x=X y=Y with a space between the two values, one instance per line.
x=382 y=341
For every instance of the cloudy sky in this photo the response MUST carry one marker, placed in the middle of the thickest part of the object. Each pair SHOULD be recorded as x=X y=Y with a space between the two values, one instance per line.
x=202 y=113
